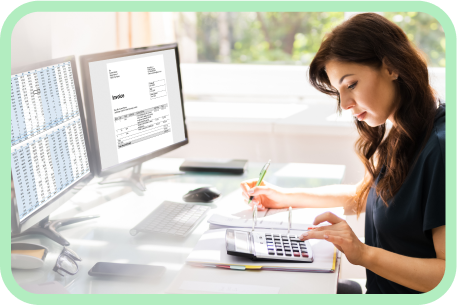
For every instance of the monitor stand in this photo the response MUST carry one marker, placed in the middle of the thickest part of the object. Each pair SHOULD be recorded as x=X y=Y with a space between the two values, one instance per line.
x=49 y=228
x=136 y=179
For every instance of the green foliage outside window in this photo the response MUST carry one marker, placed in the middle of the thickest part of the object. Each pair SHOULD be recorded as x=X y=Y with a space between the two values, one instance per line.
x=294 y=38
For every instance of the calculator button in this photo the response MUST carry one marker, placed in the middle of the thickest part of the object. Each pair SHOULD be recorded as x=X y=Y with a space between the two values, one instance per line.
x=296 y=253
x=304 y=254
x=268 y=235
x=275 y=235
x=288 y=253
x=304 y=251
x=280 y=253
x=271 y=252
x=287 y=248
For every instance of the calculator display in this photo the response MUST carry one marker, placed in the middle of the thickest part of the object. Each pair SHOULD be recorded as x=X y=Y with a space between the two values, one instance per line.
x=241 y=242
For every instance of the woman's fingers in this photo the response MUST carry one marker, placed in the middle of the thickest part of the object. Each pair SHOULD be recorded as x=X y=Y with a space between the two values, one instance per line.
x=260 y=207
x=327 y=216
x=259 y=190
x=323 y=233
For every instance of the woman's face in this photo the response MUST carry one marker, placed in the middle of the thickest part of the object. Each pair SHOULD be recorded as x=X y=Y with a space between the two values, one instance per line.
x=368 y=92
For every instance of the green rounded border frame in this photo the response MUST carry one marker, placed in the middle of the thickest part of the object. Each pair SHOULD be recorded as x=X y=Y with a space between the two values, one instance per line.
x=235 y=6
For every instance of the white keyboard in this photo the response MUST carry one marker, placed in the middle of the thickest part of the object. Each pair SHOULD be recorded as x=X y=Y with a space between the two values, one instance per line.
x=172 y=218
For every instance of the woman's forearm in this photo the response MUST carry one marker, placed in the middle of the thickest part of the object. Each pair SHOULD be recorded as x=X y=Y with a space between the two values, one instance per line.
x=421 y=274
x=328 y=196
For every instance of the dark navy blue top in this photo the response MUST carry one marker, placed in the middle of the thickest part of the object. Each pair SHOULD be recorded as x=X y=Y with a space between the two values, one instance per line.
x=405 y=225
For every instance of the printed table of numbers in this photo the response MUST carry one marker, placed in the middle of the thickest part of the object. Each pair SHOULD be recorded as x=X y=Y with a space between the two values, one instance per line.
x=48 y=151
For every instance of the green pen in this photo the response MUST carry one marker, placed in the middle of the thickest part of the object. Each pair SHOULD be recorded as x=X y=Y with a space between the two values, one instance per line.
x=262 y=174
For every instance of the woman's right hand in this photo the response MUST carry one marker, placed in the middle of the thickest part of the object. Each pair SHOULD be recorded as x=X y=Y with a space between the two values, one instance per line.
x=266 y=195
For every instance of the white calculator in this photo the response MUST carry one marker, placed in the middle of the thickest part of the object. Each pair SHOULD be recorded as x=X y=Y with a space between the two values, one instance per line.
x=271 y=246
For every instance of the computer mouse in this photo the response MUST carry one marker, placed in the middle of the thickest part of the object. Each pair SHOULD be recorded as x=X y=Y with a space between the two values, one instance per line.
x=202 y=194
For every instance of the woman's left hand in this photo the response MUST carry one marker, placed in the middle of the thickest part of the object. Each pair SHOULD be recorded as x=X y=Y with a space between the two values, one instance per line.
x=340 y=234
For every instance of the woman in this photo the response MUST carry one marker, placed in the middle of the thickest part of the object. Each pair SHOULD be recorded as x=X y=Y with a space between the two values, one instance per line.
x=372 y=69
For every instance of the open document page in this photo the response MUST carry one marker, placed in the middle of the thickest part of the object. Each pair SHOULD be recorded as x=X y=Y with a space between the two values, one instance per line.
x=140 y=106
x=234 y=212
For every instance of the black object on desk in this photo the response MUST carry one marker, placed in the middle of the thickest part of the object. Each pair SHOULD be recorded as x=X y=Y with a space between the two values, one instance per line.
x=228 y=167
x=202 y=194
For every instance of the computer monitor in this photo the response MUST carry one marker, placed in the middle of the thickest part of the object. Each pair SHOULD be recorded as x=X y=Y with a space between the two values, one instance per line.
x=49 y=152
x=134 y=105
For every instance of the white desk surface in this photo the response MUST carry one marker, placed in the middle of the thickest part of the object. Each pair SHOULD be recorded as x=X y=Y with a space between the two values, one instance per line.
x=107 y=238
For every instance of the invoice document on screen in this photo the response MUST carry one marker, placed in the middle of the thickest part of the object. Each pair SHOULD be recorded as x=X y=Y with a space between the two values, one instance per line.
x=140 y=106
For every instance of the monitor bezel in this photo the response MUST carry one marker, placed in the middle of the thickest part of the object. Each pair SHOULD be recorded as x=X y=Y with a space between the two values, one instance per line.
x=44 y=211
x=89 y=104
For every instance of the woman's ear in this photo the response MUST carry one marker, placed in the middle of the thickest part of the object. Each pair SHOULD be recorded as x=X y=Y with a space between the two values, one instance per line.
x=388 y=69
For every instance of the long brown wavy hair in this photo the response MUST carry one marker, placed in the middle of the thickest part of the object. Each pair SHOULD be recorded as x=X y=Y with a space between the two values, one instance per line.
x=369 y=39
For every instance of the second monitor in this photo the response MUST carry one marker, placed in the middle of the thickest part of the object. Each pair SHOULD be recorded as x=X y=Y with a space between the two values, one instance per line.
x=134 y=105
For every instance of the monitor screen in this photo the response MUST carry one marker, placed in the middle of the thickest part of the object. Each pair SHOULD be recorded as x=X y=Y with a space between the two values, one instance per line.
x=137 y=105
x=48 y=148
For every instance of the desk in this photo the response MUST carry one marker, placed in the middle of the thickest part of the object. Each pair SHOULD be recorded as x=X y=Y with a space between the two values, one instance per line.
x=107 y=238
